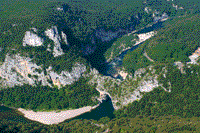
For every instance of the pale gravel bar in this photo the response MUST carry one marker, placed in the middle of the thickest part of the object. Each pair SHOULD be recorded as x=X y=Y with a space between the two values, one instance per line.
x=53 y=117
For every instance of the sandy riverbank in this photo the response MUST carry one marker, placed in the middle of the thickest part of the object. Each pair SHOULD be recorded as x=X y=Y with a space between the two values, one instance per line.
x=53 y=117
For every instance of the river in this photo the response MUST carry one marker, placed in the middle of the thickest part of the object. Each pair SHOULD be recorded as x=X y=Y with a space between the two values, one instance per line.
x=111 y=67
x=105 y=108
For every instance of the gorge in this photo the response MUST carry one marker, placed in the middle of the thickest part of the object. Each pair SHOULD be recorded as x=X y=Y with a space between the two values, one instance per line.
x=108 y=66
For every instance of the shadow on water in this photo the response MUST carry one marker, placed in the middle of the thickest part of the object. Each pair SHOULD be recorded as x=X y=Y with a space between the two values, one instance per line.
x=98 y=61
x=104 y=109
x=118 y=61
x=145 y=30
x=97 y=43
x=5 y=109
x=155 y=26
x=92 y=50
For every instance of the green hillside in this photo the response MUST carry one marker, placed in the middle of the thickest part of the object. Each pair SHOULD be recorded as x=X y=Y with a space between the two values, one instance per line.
x=119 y=46
x=40 y=98
x=44 y=14
x=177 y=40
x=157 y=110
x=138 y=124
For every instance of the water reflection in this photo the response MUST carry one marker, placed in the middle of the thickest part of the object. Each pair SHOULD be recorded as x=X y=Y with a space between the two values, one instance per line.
x=114 y=66
x=104 y=109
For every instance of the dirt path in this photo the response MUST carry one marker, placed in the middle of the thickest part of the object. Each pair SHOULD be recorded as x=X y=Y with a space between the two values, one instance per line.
x=145 y=54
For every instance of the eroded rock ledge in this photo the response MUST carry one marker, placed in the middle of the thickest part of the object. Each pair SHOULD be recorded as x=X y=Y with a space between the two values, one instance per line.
x=18 y=70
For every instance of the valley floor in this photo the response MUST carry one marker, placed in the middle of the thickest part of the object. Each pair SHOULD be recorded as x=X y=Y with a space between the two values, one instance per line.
x=54 y=117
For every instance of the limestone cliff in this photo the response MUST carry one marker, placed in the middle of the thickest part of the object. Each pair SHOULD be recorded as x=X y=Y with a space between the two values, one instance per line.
x=32 y=38
x=123 y=92
x=18 y=70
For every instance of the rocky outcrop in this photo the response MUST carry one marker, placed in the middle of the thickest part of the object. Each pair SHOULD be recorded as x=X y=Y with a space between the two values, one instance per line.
x=32 y=39
x=53 y=35
x=66 y=77
x=195 y=56
x=18 y=70
x=106 y=36
x=123 y=92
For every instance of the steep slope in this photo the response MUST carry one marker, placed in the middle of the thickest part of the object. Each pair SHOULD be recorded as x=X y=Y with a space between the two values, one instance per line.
x=49 y=51
x=33 y=59
x=176 y=41
x=38 y=46
x=43 y=37
x=147 y=63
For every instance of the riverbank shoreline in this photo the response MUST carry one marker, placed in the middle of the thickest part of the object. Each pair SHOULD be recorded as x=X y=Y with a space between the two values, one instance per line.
x=55 y=116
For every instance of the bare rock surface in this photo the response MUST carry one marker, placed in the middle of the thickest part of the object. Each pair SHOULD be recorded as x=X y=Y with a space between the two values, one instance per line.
x=32 y=39
x=18 y=70
x=53 y=35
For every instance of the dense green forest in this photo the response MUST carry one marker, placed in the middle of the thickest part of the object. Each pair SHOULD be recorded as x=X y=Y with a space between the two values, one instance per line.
x=81 y=21
x=182 y=33
x=138 y=124
x=183 y=100
x=156 y=111
x=40 y=98
x=176 y=41
x=122 y=43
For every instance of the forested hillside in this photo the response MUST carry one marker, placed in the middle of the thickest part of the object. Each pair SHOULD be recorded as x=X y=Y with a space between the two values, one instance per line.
x=44 y=98
x=82 y=22
x=176 y=41
x=93 y=30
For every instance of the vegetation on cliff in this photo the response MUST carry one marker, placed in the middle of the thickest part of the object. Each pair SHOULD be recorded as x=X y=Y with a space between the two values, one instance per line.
x=176 y=41
x=157 y=111
x=120 y=45
x=40 y=98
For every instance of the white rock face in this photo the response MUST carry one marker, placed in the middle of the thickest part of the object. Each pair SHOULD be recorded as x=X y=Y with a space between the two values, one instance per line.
x=48 y=48
x=16 y=70
x=32 y=39
x=60 y=9
x=146 y=9
x=53 y=35
x=34 y=29
x=193 y=58
x=133 y=97
x=64 y=37
x=106 y=36
x=13 y=25
x=66 y=77
x=148 y=86
x=143 y=37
